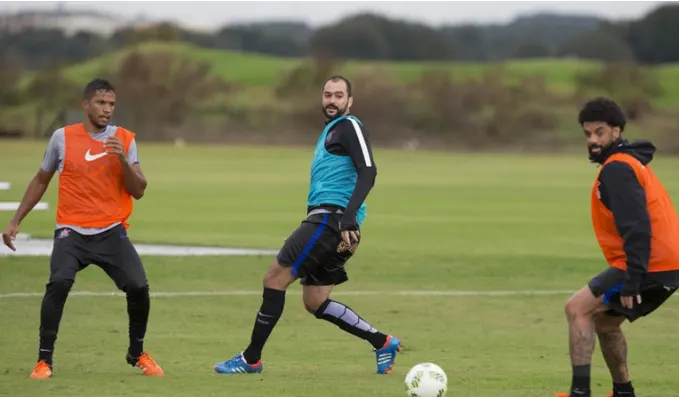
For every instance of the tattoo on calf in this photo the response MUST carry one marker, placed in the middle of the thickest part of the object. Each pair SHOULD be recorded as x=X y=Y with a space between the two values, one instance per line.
x=614 y=350
x=582 y=340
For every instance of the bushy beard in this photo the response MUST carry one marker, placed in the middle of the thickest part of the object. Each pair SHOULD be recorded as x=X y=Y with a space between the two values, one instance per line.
x=601 y=155
x=338 y=113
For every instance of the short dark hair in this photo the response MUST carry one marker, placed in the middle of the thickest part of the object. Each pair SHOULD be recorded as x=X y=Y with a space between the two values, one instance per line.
x=97 y=85
x=337 y=78
x=604 y=110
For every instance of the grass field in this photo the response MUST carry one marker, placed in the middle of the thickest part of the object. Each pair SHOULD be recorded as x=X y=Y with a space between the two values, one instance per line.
x=436 y=222
x=263 y=70
x=257 y=71
x=255 y=78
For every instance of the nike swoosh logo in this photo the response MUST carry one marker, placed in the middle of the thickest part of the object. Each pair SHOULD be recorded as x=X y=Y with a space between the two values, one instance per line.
x=90 y=157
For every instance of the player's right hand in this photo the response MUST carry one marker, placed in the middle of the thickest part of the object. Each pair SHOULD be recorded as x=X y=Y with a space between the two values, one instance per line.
x=10 y=234
x=351 y=236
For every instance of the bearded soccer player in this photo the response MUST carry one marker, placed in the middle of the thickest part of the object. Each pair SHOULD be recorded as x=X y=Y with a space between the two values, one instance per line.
x=99 y=175
x=342 y=174
x=637 y=229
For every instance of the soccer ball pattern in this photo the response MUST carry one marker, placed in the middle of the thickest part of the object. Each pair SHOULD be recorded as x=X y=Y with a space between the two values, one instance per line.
x=426 y=380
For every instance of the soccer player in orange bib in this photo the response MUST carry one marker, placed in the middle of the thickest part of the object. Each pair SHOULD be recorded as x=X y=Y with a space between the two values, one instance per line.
x=637 y=228
x=99 y=175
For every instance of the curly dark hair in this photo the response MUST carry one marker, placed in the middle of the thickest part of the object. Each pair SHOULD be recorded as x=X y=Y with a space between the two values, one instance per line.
x=604 y=110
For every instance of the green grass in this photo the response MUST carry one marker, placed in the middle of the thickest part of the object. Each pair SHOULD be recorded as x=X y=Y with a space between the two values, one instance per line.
x=436 y=221
x=256 y=70
x=256 y=76
x=252 y=69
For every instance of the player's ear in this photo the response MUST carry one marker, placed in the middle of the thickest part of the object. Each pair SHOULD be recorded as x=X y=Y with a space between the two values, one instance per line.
x=616 y=132
x=350 y=102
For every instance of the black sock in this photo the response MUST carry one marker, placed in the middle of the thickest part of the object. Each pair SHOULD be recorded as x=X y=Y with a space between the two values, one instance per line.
x=138 y=308
x=50 y=316
x=580 y=385
x=345 y=318
x=623 y=389
x=271 y=310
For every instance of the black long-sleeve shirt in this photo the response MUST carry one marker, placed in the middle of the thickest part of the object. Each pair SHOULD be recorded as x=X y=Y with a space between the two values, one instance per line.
x=349 y=138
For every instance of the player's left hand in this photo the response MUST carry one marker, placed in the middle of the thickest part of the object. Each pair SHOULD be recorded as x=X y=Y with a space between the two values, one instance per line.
x=629 y=292
x=349 y=231
x=113 y=145
x=628 y=301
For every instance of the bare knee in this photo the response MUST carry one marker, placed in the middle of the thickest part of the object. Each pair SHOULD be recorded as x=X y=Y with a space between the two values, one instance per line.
x=572 y=308
x=583 y=304
x=312 y=305
x=278 y=277
x=314 y=297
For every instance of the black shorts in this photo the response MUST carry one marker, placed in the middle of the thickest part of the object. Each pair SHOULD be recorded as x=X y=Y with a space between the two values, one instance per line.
x=111 y=250
x=316 y=252
x=653 y=293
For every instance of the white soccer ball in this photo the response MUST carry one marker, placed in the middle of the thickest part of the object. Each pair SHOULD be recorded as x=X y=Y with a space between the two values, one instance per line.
x=426 y=380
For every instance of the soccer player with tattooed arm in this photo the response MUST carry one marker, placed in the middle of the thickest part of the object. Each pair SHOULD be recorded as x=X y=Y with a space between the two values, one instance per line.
x=637 y=228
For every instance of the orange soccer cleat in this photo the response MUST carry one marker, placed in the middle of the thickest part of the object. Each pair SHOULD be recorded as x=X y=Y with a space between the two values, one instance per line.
x=42 y=371
x=146 y=364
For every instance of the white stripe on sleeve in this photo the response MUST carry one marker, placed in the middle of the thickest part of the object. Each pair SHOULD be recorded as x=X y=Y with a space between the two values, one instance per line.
x=361 y=140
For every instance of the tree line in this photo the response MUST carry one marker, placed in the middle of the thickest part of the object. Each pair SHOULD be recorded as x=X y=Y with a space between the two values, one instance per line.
x=651 y=39
x=167 y=97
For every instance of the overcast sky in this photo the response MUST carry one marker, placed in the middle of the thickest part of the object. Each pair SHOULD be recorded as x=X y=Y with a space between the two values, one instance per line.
x=213 y=14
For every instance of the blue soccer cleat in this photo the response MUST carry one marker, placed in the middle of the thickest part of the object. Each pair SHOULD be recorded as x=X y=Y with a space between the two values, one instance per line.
x=238 y=365
x=387 y=355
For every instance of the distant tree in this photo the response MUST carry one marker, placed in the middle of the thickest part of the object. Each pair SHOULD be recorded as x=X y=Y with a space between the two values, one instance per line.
x=53 y=94
x=9 y=82
x=368 y=36
x=527 y=36
x=38 y=48
x=158 y=91
x=655 y=38
x=626 y=82
x=259 y=39
x=531 y=48
x=163 y=32
x=52 y=90
x=603 y=44
x=468 y=42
